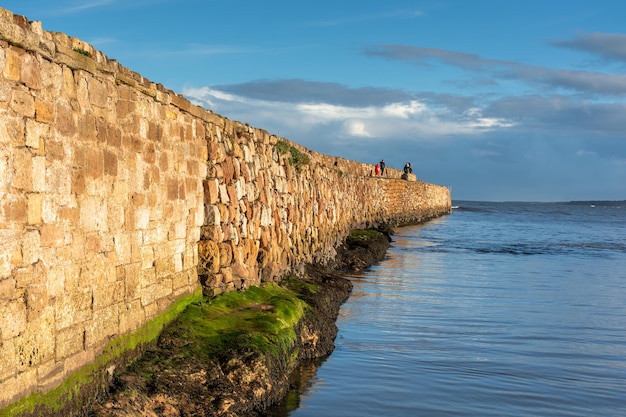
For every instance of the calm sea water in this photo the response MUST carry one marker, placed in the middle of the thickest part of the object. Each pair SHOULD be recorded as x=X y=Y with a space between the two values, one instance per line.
x=500 y=309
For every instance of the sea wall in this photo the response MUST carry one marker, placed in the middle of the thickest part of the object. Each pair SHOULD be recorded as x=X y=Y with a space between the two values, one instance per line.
x=120 y=200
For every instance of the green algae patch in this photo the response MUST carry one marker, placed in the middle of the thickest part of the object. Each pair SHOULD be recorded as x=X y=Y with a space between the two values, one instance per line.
x=260 y=319
x=364 y=235
x=299 y=285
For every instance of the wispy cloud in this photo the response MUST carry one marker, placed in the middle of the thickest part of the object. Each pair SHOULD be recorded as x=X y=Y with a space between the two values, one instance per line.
x=302 y=91
x=81 y=6
x=606 y=84
x=63 y=8
x=393 y=14
x=607 y=46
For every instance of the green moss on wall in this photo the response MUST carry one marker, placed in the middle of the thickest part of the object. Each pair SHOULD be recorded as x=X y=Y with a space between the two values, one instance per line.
x=297 y=159
x=94 y=374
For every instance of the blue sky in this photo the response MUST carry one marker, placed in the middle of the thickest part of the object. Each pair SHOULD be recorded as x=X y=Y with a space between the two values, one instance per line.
x=500 y=100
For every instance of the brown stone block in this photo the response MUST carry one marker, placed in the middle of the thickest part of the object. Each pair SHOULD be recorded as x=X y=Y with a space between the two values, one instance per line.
x=182 y=192
x=163 y=161
x=54 y=150
x=113 y=136
x=94 y=163
x=52 y=235
x=132 y=142
x=12 y=64
x=78 y=181
x=98 y=94
x=227 y=275
x=215 y=152
x=15 y=211
x=36 y=300
x=200 y=130
x=124 y=107
x=172 y=188
x=30 y=72
x=93 y=243
x=68 y=86
x=87 y=130
x=211 y=191
x=213 y=233
x=65 y=122
x=149 y=153
x=44 y=111
x=131 y=279
x=228 y=170
x=155 y=132
x=110 y=163
x=193 y=167
x=209 y=257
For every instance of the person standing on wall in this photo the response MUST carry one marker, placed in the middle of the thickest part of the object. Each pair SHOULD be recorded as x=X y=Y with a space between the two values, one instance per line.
x=377 y=170
x=382 y=167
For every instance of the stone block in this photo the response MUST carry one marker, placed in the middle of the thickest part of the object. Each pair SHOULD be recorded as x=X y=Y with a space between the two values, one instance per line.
x=211 y=191
x=65 y=122
x=93 y=213
x=94 y=163
x=36 y=344
x=212 y=216
x=44 y=112
x=31 y=247
x=209 y=257
x=122 y=248
x=103 y=326
x=30 y=73
x=132 y=316
x=15 y=211
x=106 y=294
x=14 y=317
x=73 y=308
x=110 y=163
x=164 y=267
x=8 y=359
x=22 y=169
x=69 y=341
x=78 y=360
x=39 y=174
x=17 y=386
x=12 y=64
x=36 y=134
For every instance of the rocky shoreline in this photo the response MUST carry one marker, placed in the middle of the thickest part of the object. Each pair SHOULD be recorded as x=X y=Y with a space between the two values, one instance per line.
x=239 y=381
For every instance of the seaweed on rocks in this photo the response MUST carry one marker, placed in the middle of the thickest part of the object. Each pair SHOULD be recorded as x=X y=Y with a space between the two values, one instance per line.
x=232 y=356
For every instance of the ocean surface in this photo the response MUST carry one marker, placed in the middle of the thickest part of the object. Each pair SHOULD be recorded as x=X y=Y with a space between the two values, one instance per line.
x=499 y=309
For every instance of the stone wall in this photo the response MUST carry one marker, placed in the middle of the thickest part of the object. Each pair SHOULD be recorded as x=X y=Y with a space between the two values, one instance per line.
x=119 y=198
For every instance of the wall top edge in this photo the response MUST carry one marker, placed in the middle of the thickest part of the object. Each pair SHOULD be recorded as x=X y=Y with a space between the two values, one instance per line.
x=16 y=30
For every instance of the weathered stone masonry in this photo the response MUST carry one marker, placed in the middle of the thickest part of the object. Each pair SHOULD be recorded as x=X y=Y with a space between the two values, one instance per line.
x=119 y=197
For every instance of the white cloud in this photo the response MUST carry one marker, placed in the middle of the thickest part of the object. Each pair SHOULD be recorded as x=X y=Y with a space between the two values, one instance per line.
x=404 y=110
x=355 y=128
x=411 y=119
